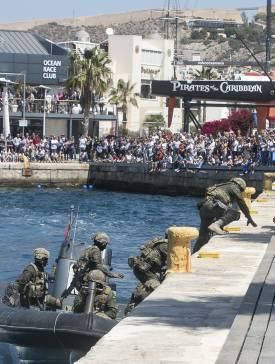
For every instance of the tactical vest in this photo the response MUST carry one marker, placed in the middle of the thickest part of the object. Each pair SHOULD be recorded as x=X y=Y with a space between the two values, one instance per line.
x=218 y=193
x=37 y=288
x=149 y=247
x=155 y=255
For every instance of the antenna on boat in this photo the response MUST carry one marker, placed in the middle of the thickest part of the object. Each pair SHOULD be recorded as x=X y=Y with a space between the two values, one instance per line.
x=76 y=218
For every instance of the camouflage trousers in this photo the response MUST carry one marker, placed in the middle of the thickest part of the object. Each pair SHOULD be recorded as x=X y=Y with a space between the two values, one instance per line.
x=141 y=292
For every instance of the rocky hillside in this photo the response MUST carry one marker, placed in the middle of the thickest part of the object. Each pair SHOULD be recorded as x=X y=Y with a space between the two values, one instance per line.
x=212 y=47
x=59 y=33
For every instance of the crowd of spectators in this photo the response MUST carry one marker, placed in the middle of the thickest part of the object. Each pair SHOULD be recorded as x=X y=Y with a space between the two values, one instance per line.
x=161 y=150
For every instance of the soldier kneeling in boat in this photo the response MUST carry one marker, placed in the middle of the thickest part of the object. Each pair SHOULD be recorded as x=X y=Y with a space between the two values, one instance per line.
x=31 y=287
x=149 y=268
x=102 y=297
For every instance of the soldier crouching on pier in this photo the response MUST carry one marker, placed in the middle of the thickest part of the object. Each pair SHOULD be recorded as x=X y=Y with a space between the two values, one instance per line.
x=216 y=211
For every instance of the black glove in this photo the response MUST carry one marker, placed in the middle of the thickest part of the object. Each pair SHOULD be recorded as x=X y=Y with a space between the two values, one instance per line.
x=65 y=293
x=250 y=221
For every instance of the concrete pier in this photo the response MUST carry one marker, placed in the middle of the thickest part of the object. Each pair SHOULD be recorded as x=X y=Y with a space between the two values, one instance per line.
x=48 y=174
x=189 y=317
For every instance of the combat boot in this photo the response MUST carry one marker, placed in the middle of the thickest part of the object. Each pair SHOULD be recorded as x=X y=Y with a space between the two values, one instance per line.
x=216 y=227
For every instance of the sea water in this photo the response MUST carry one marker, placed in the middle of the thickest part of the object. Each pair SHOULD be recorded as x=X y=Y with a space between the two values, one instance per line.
x=37 y=217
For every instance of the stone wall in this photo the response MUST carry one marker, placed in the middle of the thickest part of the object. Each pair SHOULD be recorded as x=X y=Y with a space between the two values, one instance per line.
x=136 y=178
x=122 y=177
x=50 y=174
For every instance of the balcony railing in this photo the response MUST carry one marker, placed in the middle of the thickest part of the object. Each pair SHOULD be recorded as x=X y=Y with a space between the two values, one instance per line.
x=53 y=106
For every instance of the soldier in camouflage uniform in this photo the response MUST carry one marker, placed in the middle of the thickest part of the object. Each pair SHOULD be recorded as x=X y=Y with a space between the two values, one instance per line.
x=32 y=285
x=104 y=303
x=89 y=261
x=148 y=269
x=216 y=211
x=92 y=259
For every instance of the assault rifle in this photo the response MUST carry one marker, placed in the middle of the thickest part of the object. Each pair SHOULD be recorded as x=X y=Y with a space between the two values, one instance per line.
x=75 y=283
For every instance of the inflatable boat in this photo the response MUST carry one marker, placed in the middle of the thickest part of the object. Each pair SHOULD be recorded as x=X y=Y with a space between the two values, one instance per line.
x=31 y=328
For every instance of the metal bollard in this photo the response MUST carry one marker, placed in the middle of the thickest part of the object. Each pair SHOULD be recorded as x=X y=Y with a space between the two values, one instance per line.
x=268 y=179
x=179 y=248
x=26 y=171
x=248 y=192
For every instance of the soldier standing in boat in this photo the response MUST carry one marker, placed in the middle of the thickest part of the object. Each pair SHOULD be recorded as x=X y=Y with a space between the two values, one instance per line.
x=32 y=284
x=90 y=261
x=92 y=256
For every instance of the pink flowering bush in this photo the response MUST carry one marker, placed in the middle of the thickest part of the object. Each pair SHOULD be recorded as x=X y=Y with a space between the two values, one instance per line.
x=237 y=121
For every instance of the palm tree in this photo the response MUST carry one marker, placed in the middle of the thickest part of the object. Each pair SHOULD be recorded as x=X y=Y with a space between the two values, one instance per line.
x=92 y=76
x=206 y=73
x=122 y=96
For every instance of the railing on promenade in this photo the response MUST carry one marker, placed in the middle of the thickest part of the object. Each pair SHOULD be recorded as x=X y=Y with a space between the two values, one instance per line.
x=66 y=106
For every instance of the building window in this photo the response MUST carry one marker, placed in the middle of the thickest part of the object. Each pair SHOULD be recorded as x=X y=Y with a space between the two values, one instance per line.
x=146 y=90
x=150 y=57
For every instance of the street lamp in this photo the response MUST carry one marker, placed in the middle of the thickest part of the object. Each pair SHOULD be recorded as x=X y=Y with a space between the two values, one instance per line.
x=6 y=115
x=44 y=107
x=22 y=74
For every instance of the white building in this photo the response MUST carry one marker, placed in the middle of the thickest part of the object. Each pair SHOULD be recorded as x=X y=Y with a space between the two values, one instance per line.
x=81 y=43
x=140 y=61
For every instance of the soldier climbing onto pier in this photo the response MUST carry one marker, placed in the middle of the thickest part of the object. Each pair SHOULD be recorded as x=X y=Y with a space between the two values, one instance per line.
x=149 y=268
x=216 y=209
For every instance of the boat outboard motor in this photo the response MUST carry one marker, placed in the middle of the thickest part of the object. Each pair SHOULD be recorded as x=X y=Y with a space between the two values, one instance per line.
x=107 y=258
x=68 y=255
x=107 y=262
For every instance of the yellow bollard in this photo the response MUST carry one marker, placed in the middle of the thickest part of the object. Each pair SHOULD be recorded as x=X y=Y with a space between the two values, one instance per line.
x=248 y=192
x=179 y=248
x=26 y=171
x=26 y=162
x=268 y=179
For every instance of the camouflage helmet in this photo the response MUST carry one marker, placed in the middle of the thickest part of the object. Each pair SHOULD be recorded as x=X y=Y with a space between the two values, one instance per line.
x=40 y=253
x=101 y=238
x=240 y=182
x=97 y=276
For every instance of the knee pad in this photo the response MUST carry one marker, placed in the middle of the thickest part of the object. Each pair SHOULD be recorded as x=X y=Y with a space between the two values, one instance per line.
x=236 y=215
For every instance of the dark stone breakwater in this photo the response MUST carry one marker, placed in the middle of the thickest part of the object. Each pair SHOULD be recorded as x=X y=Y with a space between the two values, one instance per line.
x=124 y=177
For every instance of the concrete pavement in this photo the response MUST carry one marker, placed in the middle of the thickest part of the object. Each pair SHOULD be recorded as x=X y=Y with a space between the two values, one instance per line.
x=188 y=318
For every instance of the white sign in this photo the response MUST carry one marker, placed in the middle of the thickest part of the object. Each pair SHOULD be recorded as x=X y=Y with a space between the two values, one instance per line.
x=23 y=122
x=50 y=68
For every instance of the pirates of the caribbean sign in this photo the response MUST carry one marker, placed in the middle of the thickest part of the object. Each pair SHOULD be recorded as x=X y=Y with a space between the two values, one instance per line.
x=216 y=90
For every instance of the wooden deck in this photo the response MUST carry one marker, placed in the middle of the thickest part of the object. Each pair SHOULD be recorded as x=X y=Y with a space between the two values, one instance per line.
x=252 y=335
